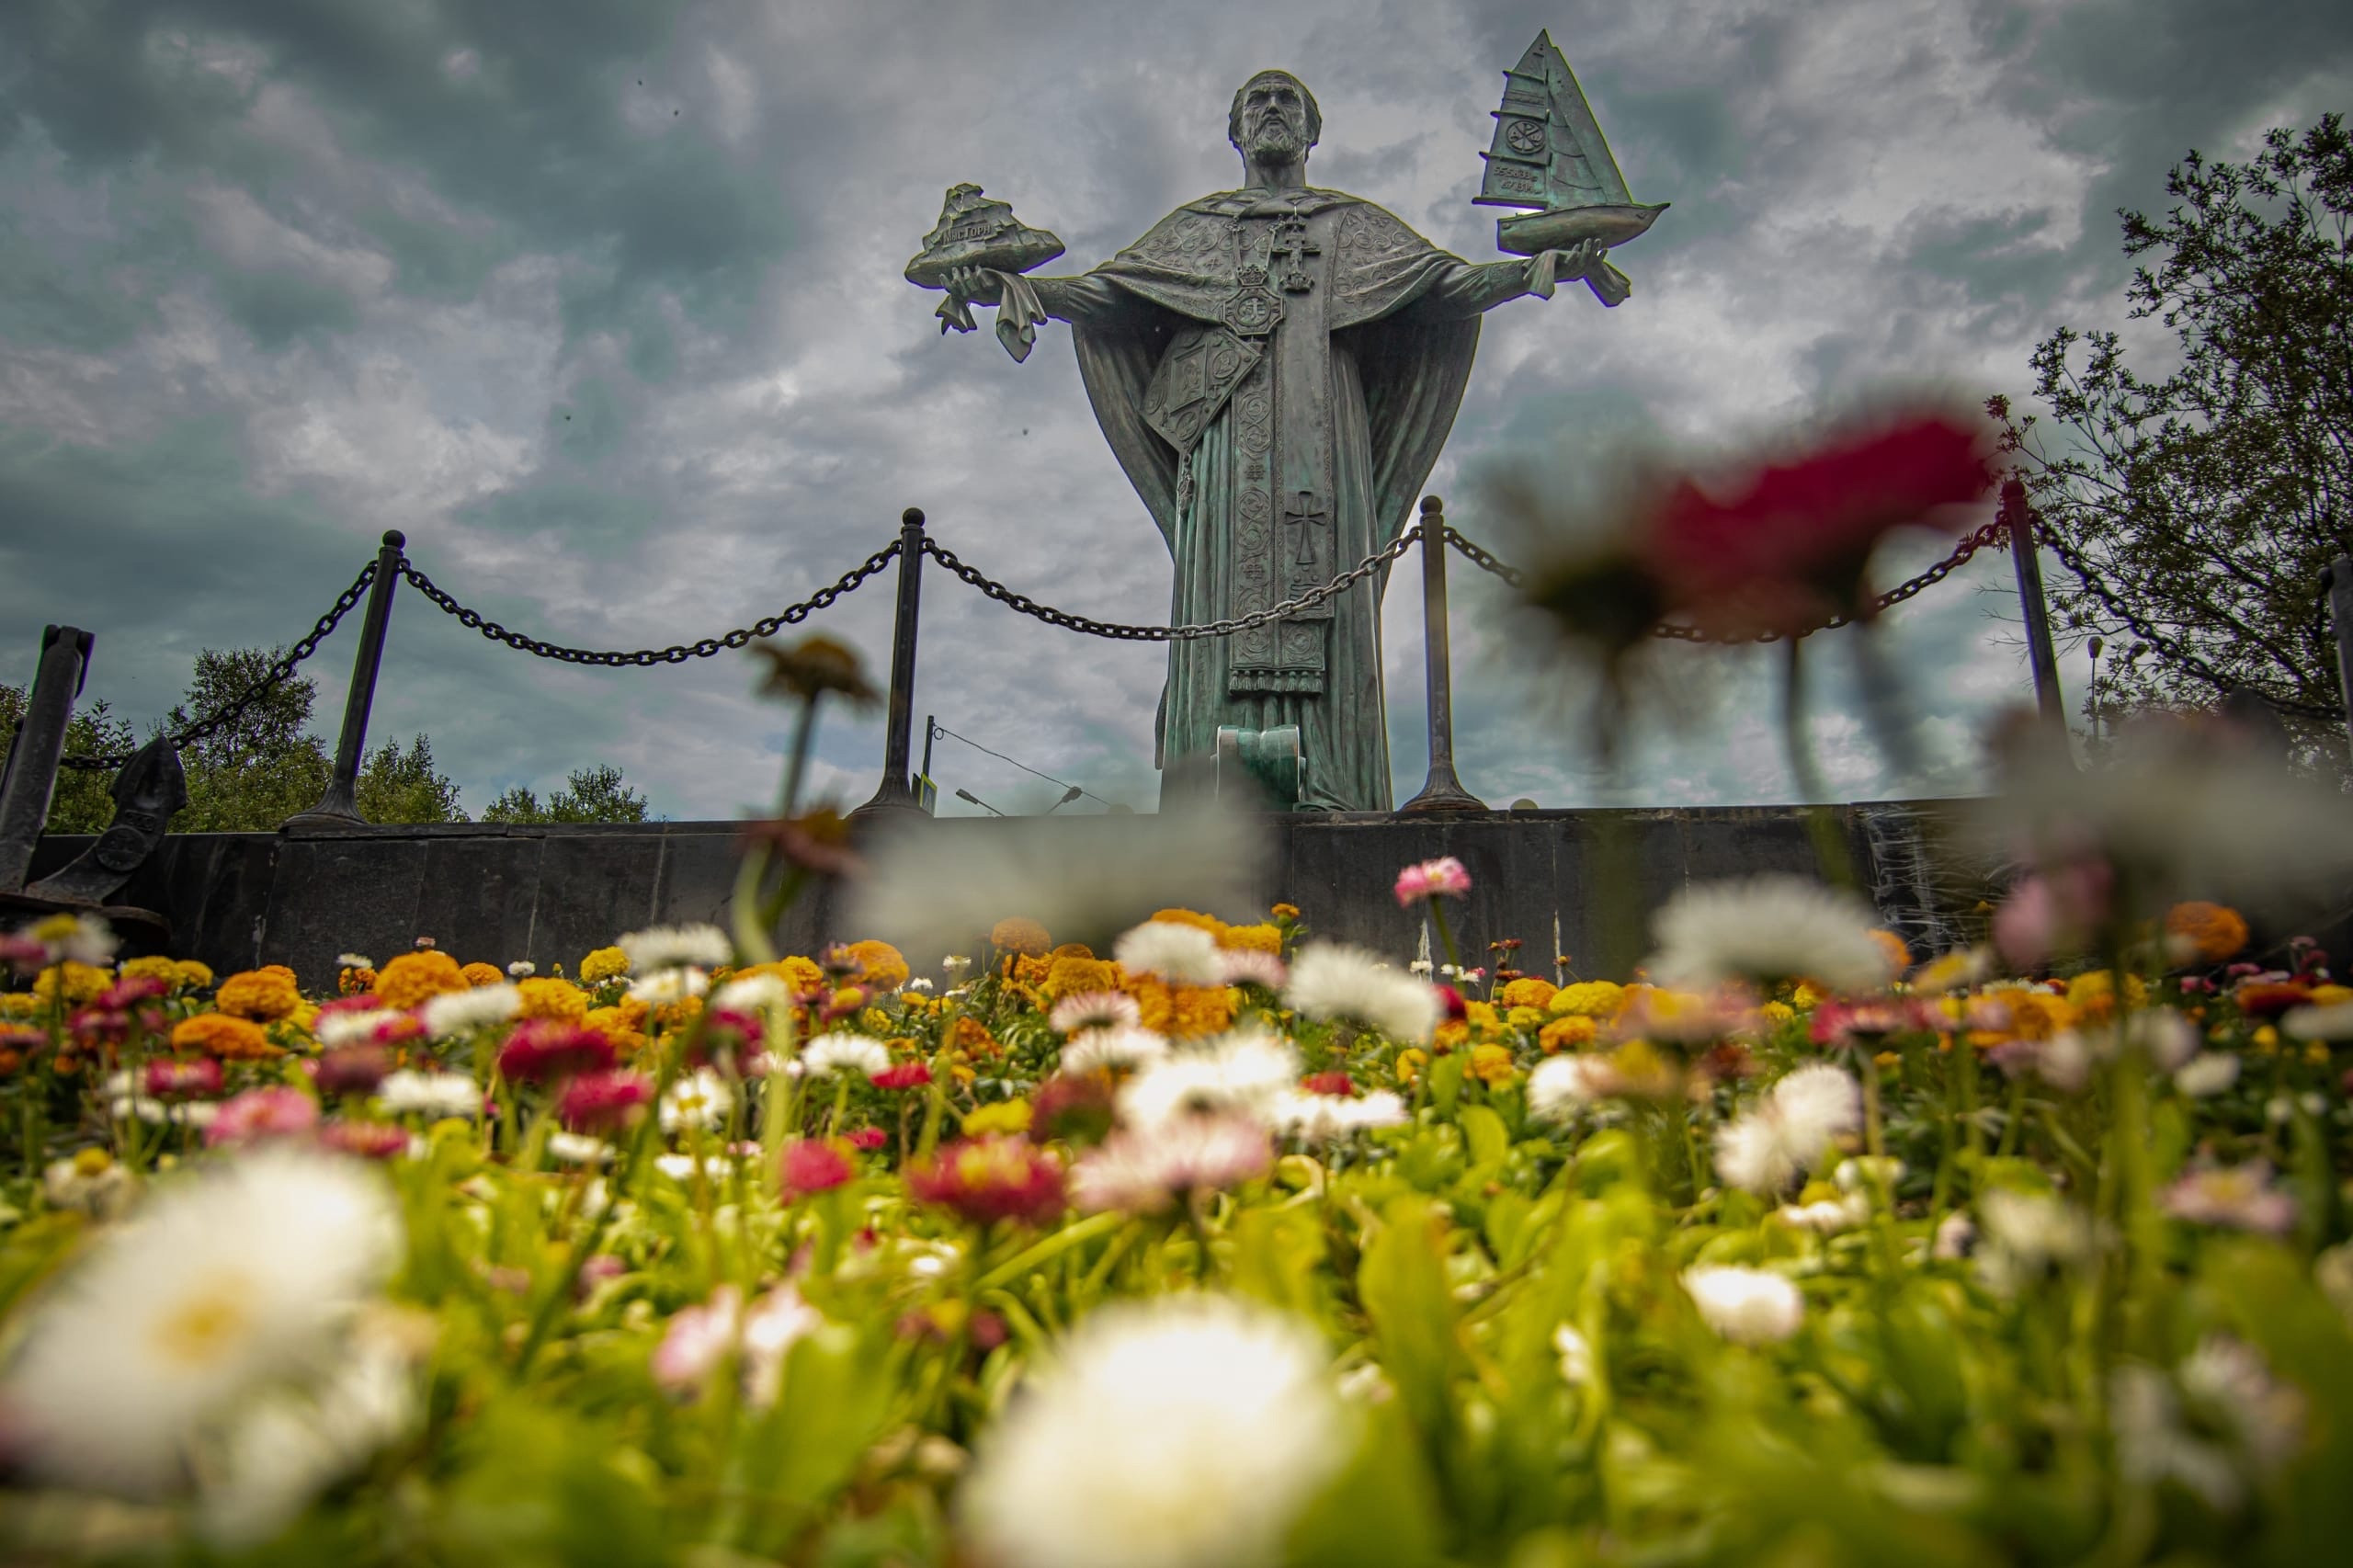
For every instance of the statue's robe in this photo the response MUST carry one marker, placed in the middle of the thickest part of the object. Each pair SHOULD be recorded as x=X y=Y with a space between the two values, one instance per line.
x=1276 y=372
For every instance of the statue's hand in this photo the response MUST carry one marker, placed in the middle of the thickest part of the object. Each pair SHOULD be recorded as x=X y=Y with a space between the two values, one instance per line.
x=1549 y=267
x=975 y=285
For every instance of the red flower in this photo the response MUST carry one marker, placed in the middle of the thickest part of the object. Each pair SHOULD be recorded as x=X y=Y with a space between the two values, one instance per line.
x=903 y=1075
x=2269 y=999
x=1338 y=1084
x=544 y=1050
x=352 y=1069
x=1786 y=550
x=368 y=1140
x=262 y=1113
x=128 y=991
x=991 y=1178
x=1076 y=1107
x=201 y=1075
x=601 y=1102
x=865 y=1140
x=1451 y=1000
x=813 y=1165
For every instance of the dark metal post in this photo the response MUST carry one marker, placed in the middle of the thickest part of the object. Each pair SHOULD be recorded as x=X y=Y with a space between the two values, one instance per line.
x=1442 y=791
x=339 y=807
x=895 y=794
x=2025 y=557
x=2337 y=577
x=33 y=761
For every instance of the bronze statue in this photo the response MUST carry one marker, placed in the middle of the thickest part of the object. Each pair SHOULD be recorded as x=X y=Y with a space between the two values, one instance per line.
x=1275 y=367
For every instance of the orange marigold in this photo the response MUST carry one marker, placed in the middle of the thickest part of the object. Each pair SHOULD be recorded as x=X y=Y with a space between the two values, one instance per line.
x=1209 y=923
x=1571 y=1031
x=619 y=1024
x=1182 y=1012
x=263 y=996
x=2210 y=932
x=1027 y=969
x=1014 y=933
x=355 y=982
x=224 y=1035
x=1260 y=939
x=882 y=966
x=1285 y=912
x=971 y=1035
x=481 y=974
x=1528 y=991
x=412 y=978
x=1073 y=950
x=547 y=996
x=1898 y=956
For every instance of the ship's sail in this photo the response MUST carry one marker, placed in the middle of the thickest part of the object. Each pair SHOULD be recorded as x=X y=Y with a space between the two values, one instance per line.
x=1549 y=152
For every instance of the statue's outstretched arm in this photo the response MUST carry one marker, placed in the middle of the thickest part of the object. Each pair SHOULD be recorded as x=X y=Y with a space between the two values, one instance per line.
x=1022 y=302
x=1467 y=288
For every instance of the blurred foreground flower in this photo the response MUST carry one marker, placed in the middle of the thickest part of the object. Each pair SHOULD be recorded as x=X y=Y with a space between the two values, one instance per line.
x=1185 y=1433
x=225 y=1282
x=1771 y=929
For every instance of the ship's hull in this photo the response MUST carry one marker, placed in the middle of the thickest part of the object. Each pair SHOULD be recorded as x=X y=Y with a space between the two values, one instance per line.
x=1612 y=224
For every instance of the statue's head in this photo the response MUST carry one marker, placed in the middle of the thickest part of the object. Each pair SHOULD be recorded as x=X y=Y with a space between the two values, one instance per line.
x=1274 y=118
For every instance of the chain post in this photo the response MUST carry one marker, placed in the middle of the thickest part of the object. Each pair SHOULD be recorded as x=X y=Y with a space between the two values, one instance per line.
x=896 y=796
x=2338 y=578
x=339 y=807
x=2041 y=655
x=1442 y=792
x=30 y=781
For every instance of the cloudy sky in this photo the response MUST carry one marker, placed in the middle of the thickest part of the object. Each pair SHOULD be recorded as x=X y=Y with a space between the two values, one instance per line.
x=599 y=301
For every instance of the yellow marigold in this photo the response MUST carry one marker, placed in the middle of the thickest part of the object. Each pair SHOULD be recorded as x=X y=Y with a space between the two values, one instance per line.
x=355 y=982
x=2329 y=996
x=1004 y=1117
x=1482 y=1016
x=163 y=969
x=1528 y=991
x=1589 y=999
x=18 y=1005
x=1072 y=951
x=678 y=1013
x=412 y=978
x=224 y=1035
x=263 y=996
x=874 y=1020
x=1410 y=1063
x=1493 y=1065
x=882 y=966
x=1805 y=996
x=1527 y=1017
x=848 y=1000
x=481 y=974
x=804 y=975
x=1251 y=938
x=194 y=975
x=604 y=964
x=549 y=997
x=1898 y=956
x=1571 y=1031
x=1779 y=1012
x=616 y=1025
x=1285 y=912
x=1450 y=1034
x=1076 y=975
x=2211 y=932
x=78 y=982
x=1209 y=923
x=2034 y=1014
x=2092 y=992
x=1016 y=934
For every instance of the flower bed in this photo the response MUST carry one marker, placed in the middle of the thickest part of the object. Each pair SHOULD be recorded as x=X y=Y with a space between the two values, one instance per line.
x=1222 y=1246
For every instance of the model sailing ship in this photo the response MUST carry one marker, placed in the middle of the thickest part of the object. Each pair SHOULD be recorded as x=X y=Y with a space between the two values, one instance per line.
x=1549 y=154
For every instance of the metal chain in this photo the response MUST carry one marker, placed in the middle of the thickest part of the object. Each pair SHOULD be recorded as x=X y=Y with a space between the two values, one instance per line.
x=2072 y=560
x=204 y=729
x=1990 y=534
x=677 y=652
x=1122 y=633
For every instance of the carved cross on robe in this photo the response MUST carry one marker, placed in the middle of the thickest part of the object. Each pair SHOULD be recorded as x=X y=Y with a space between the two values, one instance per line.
x=1308 y=567
x=1292 y=248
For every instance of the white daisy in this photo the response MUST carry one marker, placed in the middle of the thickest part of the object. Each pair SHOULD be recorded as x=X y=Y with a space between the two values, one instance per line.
x=1767 y=929
x=760 y=994
x=429 y=1094
x=1143 y=1171
x=2207 y=1075
x=1246 y=1072
x=1095 y=1010
x=854 y=1053
x=1213 y=1419
x=1560 y=1087
x=238 y=1275
x=659 y=947
x=354 y=1029
x=1096 y=1049
x=1331 y=980
x=521 y=969
x=1248 y=966
x=1747 y=1306
x=288 y=1447
x=1181 y=955
x=458 y=1013
x=699 y=1099
x=354 y=960
x=2332 y=1020
x=1789 y=1128
x=1326 y=1119
x=578 y=1149
x=675 y=984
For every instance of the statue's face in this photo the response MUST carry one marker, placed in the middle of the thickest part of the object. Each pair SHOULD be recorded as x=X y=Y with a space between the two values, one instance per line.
x=1274 y=120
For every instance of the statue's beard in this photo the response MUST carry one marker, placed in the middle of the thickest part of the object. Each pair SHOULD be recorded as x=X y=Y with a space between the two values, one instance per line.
x=1275 y=140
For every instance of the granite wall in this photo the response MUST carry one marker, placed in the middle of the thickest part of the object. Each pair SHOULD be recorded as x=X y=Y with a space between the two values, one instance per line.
x=1581 y=882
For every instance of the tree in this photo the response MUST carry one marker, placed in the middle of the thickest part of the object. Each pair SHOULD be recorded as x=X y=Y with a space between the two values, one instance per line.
x=403 y=786
x=591 y=794
x=2196 y=512
x=83 y=801
x=264 y=766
